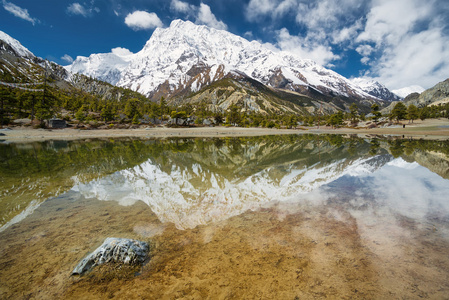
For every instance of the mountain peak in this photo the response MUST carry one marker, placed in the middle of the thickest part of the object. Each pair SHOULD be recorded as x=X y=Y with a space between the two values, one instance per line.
x=375 y=88
x=16 y=45
x=180 y=23
x=185 y=57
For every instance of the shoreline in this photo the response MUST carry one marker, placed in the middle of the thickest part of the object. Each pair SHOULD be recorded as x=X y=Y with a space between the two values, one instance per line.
x=436 y=129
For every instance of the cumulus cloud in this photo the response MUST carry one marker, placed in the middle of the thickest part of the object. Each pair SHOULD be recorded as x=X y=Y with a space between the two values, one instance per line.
x=119 y=51
x=79 y=9
x=365 y=51
x=139 y=20
x=19 y=12
x=67 y=58
x=401 y=42
x=205 y=16
x=202 y=14
x=259 y=8
x=248 y=35
x=306 y=49
x=412 y=42
x=419 y=58
x=326 y=23
x=181 y=6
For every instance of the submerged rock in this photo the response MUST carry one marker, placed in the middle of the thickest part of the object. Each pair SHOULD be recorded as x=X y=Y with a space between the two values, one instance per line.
x=118 y=250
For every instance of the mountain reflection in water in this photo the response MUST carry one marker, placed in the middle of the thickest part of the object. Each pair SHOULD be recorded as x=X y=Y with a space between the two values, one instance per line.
x=281 y=217
x=196 y=181
x=187 y=192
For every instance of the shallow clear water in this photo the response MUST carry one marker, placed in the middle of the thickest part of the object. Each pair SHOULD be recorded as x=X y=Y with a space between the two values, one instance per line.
x=269 y=217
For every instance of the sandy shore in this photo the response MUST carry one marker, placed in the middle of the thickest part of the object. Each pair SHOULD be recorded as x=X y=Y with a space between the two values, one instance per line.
x=428 y=129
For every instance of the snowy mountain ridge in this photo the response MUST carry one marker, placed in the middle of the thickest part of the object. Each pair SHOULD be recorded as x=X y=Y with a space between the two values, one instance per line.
x=376 y=89
x=187 y=57
x=189 y=197
x=16 y=45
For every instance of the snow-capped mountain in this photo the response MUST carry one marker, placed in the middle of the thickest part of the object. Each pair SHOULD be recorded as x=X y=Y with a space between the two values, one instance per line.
x=20 y=64
x=404 y=92
x=186 y=57
x=189 y=196
x=105 y=66
x=376 y=89
x=13 y=46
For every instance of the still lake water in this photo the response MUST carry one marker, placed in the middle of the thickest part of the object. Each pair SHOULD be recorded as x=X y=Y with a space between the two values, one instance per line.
x=277 y=217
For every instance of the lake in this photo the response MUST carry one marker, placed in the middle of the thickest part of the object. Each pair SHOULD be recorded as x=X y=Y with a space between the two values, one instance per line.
x=273 y=217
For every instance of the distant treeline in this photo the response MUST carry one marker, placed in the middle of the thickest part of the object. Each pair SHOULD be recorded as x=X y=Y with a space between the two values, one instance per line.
x=74 y=105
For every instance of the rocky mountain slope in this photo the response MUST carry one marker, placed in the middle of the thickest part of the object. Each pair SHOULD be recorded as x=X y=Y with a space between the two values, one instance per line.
x=375 y=89
x=184 y=58
x=20 y=65
x=435 y=95
x=438 y=94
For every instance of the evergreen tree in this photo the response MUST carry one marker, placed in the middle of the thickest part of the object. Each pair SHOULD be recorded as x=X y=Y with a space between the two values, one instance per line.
x=5 y=100
x=412 y=112
x=234 y=115
x=106 y=113
x=353 y=113
x=336 y=119
x=375 y=111
x=132 y=108
x=423 y=113
x=46 y=106
x=399 y=112
x=80 y=115
x=162 y=107
x=218 y=117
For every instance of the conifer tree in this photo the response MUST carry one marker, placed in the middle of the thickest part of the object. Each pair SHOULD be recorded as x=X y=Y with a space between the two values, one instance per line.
x=375 y=111
x=399 y=112
x=412 y=112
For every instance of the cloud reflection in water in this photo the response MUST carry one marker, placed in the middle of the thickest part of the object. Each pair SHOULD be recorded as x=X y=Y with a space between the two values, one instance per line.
x=191 y=196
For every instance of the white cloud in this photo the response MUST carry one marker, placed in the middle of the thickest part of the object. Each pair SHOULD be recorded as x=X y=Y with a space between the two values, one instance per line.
x=364 y=50
x=258 y=8
x=78 y=9
x=412 y=42
x=272 y=8
x=248 y=35
x=202 y=14
x=365 y=60
x=119 y=51
x=181 y=6
x=346 y=33
x=205 y=16
x=321 y=54
x=418 y=58
x=67 y=58
x=143 y=20
x=284 y=7
x=19 y=12
x=401 y=42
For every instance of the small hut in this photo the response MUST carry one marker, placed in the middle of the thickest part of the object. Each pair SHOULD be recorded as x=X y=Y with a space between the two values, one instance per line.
x=57 y=123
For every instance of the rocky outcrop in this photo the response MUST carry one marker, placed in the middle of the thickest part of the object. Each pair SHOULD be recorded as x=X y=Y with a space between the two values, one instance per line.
x=117 y=250
x=439 y=94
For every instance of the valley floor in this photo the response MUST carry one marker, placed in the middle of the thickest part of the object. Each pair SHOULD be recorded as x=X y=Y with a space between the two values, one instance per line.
x=427 y=129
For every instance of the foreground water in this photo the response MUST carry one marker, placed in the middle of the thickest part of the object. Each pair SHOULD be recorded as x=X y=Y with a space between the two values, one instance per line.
x=266 y=218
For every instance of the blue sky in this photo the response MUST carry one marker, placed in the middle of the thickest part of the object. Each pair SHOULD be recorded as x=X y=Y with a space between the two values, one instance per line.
x=399 y=43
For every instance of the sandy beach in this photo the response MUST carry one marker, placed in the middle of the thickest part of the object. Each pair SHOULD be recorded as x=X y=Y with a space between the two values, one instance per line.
x=427 y=129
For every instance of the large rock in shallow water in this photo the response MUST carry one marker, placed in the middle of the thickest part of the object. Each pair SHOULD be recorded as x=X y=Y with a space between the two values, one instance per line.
x=116 y=250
